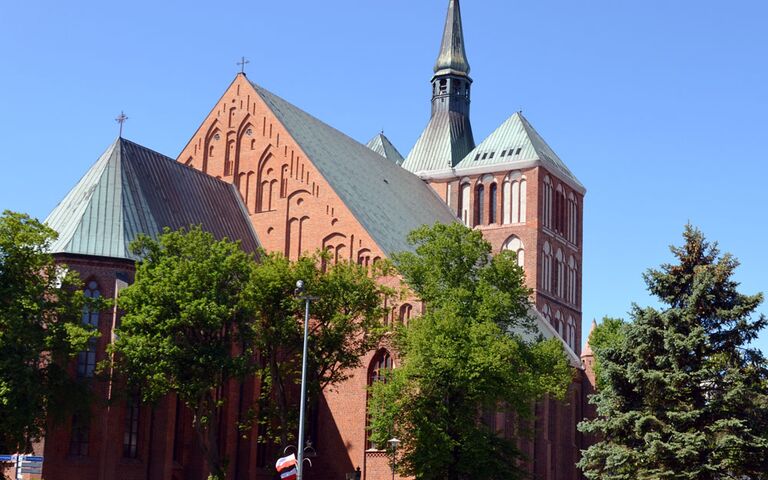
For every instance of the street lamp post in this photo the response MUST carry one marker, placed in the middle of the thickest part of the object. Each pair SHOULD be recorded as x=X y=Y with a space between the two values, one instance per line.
x=300 y=290
x=393 y=443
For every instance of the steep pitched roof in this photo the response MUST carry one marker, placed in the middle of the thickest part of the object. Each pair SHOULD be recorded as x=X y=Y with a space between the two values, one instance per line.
x=132 y=189
x=452 y=58
x=389 y=202
x=381 y=145
x=513 y=143
x=446 y=140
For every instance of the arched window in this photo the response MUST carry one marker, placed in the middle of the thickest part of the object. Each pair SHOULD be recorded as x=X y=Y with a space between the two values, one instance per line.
x=546 y=268
x=523 y=199
x=405 y=313
x=547 y=202
x=86 y=360
x=464 y=202
x=479 y=201
x=572 y=280
x=506 y=201
x=545 y=312
x=381 y=367
x=558 y=324
x=492 y=203
x=573 y=218
x=559 y=274
x=514 y=244
x=571 y=333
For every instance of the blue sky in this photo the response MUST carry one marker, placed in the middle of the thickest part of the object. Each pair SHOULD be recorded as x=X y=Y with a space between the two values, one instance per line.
x=659 y=107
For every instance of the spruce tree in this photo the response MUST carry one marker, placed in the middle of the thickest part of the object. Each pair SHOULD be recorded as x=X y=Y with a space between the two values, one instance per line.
x=684 y=395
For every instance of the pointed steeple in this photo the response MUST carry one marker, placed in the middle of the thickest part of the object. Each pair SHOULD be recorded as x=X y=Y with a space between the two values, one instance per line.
x=587 y=351
x=452 y=58
x=448 y=136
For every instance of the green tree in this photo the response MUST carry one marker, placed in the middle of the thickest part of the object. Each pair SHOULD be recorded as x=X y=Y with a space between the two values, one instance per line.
x=41 y=307
x=684 y=394
x=346 y=313
x=608 y=334
x=466 y=355
x=187 y=326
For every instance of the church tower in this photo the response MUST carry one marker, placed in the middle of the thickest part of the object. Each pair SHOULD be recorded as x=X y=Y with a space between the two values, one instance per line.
x=448 y=136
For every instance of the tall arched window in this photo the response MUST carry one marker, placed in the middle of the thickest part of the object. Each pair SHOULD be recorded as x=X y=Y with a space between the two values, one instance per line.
x=572 y=276
x=479 y=203
x=514 y=244
x=546 y=268
x=571 y=333
x=558 y=324
x=492 y=203
x=406 y=310
x=86 y=360
x=573 y=218
x=381 y=367
x=559 y=274
x=464 y=202
x=506 y=201
x=547 y=202
x=545 y=312
x=514 y=201
x=523 y=199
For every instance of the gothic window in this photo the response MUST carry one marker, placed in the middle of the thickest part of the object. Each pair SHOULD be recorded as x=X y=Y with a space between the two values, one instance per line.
x=443 y=85
x=464 y=202
x=545 y=312
x=571 y=333
x=523 y=199
x=559 y=325
x=573 y=218
x=479 y=201
x=78 y=440
x=380 y=368
x=514 y=244
x=86 y=360
x=559 y=274
x=572 y=280
x=492 y=194
x=560 y=210
x=131 y=434
x=405 y=313
x=546 y=268
x=547 y=202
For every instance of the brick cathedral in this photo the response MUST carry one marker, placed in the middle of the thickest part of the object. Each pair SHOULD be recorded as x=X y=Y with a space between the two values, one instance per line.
x=261 y=170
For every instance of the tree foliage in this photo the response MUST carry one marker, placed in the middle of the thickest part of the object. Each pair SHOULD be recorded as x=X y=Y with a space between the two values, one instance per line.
x=684 y=394
x=41 y=305
x=463 y=357
x=608 y=334
x=347 y=307
x=186 y=326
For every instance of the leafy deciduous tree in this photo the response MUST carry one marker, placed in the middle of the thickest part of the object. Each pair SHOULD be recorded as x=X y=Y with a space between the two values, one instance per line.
x=463 y=357
x=187 y=326
x=41 y=306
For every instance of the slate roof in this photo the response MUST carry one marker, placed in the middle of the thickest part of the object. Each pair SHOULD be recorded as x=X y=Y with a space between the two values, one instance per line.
x=132 y=189
x=446 y=140
x=517 y=142
x=381 y=145
x=388 y=201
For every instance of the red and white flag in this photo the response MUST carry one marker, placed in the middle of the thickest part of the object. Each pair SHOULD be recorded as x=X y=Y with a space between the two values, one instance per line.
x=289 y=474
x=286 y=463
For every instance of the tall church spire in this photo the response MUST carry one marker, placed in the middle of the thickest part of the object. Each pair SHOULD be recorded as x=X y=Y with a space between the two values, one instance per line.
x=448 y=136
x=452 y=58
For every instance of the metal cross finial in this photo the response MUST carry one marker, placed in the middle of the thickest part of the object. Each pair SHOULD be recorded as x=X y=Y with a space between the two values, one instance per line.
x=121 y=120
x=243 y=62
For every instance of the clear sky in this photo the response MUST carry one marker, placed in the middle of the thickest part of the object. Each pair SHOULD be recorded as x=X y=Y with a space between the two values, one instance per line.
x=658 y=106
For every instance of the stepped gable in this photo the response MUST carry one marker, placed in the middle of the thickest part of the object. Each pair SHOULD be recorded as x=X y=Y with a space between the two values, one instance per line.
x=131 y=190
x=516 y=144
x=381 y=145
x=388 y=201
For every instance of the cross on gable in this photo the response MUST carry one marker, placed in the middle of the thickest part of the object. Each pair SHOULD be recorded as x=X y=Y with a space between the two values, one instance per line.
x=242 y=63
x=121 y=120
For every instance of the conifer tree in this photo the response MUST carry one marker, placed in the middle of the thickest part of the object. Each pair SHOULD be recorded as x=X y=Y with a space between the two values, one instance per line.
x=684 y=394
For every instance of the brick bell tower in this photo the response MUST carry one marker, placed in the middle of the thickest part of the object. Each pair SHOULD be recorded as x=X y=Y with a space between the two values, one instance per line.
x=512 y=187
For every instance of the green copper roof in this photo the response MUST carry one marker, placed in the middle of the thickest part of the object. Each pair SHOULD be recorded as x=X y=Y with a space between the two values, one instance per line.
x=381 y=145
x=516 y=142
x=132 y=190
x=444 y=142
x=389 y=202
x=452 y=59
